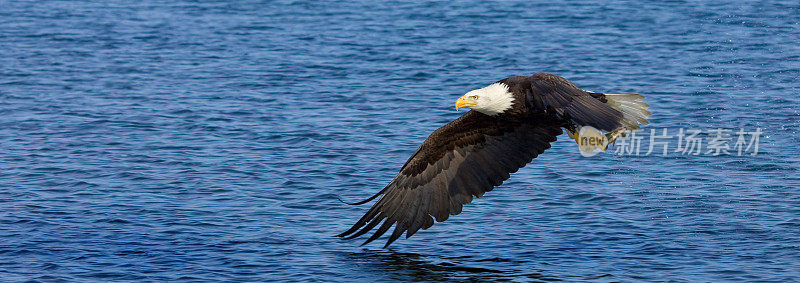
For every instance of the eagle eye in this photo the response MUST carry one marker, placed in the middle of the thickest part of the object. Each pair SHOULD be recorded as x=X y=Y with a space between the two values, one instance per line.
x=475 y=97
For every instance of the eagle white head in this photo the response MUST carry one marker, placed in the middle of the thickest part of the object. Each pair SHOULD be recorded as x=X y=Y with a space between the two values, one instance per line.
x=491 y=100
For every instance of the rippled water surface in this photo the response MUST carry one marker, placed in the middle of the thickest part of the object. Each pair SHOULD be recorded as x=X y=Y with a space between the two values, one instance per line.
x=179 y=140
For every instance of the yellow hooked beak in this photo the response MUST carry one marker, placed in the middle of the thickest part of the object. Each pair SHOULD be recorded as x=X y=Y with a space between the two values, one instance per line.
x=465 y=101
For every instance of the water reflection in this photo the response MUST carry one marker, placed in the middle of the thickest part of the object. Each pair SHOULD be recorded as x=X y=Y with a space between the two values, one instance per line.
x=413 y=266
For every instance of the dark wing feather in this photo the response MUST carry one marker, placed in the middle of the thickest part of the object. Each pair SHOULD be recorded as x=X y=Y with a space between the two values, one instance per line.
x=459 y=161
x=558 y=96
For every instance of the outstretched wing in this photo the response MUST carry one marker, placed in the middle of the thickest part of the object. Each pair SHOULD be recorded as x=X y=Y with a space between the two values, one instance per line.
x=557 y=96
x=461 y=160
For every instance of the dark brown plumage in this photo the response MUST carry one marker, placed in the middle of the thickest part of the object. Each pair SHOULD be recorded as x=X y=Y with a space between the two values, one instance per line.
x=476 y=152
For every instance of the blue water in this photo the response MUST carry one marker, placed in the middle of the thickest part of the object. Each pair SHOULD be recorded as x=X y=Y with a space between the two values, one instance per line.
x=183 y=140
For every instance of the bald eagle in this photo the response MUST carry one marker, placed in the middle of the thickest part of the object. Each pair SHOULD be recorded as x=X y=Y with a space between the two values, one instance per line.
x=510 y=122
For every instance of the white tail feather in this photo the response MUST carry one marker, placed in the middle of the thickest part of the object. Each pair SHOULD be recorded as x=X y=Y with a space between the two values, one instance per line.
x=634 y=112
